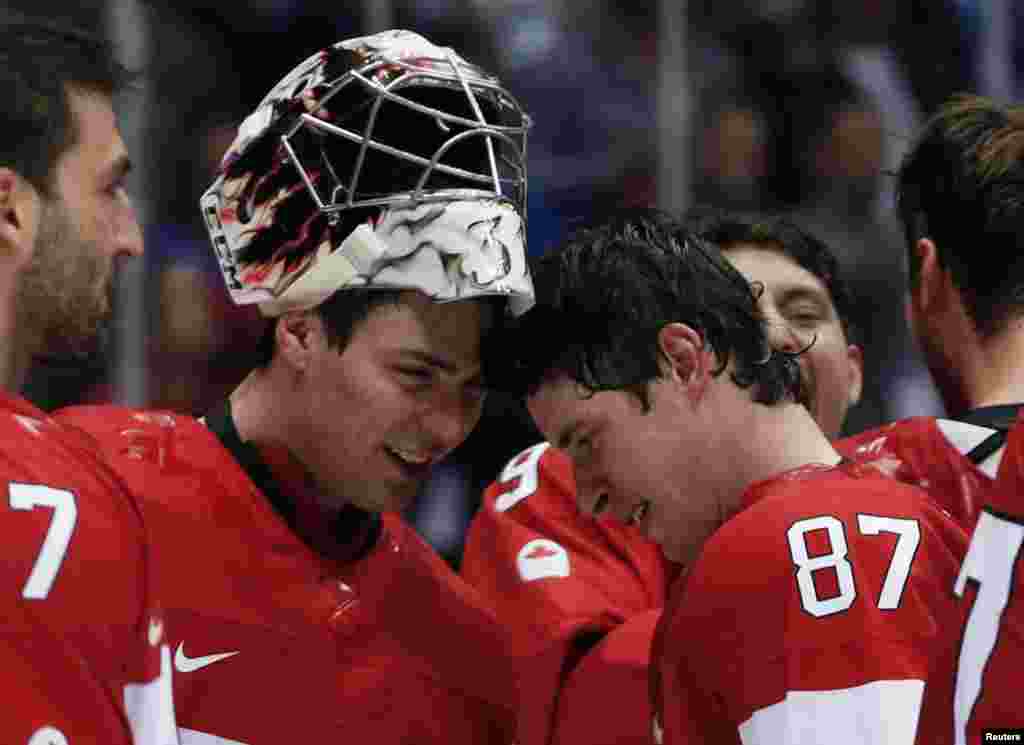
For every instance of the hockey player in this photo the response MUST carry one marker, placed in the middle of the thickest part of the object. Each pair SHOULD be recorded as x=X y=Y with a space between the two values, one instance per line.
x=373 y=207
x=83 y=650
x=812 y=602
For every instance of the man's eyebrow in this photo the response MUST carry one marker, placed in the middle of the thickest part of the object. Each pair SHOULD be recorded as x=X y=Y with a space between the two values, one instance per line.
x=792 y=293
x=430 y=359
x=441 y=363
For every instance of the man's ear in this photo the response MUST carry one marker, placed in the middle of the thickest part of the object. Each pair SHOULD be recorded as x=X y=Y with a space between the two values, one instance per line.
x=296 y=336
x=855 y=357
x=19 y=217
x=684 y=358
x=927 y=293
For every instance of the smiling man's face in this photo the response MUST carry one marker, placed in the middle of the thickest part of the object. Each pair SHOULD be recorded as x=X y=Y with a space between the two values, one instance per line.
x=799 y=311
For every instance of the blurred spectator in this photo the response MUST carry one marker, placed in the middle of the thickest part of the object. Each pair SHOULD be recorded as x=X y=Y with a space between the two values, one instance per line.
x=841 y=165
x=586 y=75
x=201 y=344
x=730 y=153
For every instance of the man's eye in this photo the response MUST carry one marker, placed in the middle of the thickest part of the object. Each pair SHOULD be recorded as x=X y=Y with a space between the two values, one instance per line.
x=416 y=374
x=808 y=317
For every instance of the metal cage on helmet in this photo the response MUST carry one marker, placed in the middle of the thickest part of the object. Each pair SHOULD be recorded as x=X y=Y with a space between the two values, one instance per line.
x=383 y=80
x=371 y=136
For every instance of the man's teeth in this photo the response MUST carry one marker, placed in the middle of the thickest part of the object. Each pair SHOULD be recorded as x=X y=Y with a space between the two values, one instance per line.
x=409 y=456
x=639 y=512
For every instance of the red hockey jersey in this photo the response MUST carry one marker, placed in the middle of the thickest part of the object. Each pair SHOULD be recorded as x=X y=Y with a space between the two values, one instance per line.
x=83 y=653
x=948 y=458
x=583 y=595
x=986 y=652
x=274 y=643
x=811 y=616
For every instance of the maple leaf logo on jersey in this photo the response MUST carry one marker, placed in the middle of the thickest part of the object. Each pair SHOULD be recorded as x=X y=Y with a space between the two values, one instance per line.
x=542 y=558
x=541 y=552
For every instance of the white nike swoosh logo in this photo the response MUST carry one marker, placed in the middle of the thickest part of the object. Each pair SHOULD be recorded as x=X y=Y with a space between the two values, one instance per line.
x=186 y=664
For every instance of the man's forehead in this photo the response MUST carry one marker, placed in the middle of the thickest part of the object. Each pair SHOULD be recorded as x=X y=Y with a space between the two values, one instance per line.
x=560 y=397
x=564 y=412
x=445 y=333
x=774 y=268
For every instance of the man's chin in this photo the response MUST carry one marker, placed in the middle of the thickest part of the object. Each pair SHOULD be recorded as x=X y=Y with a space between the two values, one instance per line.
x=397 y=498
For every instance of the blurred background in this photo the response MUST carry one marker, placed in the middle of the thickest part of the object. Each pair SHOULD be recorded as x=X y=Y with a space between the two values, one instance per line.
x=796 y=106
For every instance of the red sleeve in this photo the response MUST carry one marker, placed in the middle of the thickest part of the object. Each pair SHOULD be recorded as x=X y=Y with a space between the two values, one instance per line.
x=564 y=581
x=605 y=698
x=444 y=622
x=49 y=690
x=812 y=616
x=931 y=454
x=81 y=642
x=988 y=650
x=541 y=563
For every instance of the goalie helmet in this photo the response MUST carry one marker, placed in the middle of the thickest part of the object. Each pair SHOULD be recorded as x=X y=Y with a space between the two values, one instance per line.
x=380 y=162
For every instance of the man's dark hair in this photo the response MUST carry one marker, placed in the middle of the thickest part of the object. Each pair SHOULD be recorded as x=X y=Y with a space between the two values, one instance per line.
x=41 y=63
x=780 y=234
x=962 y=186
x=343 y=311
x=605 y=295
x=340 y=313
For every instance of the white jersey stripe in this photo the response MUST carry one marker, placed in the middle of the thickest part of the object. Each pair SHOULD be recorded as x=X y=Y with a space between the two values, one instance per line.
x=195 y=737
x=965 y=437
x=150 y=706
x=883 y=712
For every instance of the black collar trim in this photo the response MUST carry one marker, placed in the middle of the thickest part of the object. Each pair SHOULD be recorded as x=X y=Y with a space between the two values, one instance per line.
x=351 y=525
x=1001 y=417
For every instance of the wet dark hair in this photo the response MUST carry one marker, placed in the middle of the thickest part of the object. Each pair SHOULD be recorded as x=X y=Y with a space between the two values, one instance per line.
x=962 y=186
x=343 y=311
x=604 y=296
x=41 y=63
x=340 y=313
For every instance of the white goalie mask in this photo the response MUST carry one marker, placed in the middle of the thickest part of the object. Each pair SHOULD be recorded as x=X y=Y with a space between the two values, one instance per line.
x=380 y=162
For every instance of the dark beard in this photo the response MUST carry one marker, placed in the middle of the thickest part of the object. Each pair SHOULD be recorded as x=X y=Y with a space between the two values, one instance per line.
x=60 y=321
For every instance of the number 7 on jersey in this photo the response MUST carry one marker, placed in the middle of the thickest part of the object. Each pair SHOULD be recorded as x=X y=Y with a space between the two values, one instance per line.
x=58 y=536
x=994 y=550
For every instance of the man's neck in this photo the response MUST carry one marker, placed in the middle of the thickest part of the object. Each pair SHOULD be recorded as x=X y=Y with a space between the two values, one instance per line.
x=781 y=438
x=993 y=371
x=13 y=356
x=260 y=417
x=763 y=441
x=332 y=529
